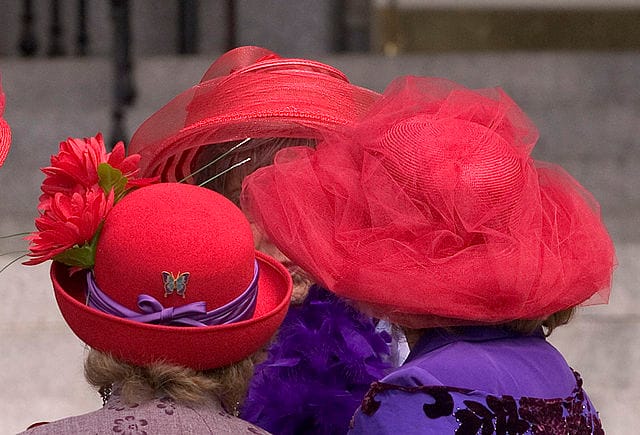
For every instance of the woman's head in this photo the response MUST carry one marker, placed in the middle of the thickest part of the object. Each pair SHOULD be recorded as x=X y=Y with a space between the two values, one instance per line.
x=177 y=279
x=249 y=92
x=430 y=211
x=161 y=280
x=137 y=384
x=260 y=153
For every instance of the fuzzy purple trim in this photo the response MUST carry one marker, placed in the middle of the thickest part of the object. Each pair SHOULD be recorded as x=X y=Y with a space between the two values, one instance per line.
x=317 y=372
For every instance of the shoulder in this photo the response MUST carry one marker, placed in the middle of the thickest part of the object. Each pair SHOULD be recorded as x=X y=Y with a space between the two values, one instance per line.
x=389 y=408
x=159 y=416
x=525 y=366
x=221 y=422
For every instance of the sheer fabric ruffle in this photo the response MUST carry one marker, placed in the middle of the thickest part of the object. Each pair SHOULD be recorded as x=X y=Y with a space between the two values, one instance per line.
x=5 y=131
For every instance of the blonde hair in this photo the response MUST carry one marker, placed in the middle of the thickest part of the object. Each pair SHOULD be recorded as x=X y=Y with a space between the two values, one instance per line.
x=548 y=325
x=521 y=326
x=140 y=383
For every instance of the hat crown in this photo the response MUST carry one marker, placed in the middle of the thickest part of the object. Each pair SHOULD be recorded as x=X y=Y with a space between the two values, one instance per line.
x=177 y=243
x=463 y=163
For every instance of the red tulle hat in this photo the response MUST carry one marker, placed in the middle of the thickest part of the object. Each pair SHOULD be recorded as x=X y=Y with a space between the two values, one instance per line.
x=249 y=92
x=5 y=131
x=431 y=212
x=150 y=240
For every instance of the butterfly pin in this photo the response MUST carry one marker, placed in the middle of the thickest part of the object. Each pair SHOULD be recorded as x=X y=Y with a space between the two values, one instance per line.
x=175 y=283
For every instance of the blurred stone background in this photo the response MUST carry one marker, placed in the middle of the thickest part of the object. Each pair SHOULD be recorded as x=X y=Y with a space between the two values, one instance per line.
x=584 y=97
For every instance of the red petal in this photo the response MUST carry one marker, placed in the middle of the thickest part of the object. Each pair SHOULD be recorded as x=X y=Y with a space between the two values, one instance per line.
x=115 y=157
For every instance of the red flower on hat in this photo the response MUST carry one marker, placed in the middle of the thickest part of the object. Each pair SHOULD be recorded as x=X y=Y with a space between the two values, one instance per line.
x=75 y=167
x=81 y=186
x=66 y=229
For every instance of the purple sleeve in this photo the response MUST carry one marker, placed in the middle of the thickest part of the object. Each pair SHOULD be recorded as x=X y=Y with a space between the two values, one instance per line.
x=411 y=376
x=401 y=412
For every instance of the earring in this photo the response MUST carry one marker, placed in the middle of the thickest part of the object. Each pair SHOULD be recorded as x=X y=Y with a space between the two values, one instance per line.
x=105 y=393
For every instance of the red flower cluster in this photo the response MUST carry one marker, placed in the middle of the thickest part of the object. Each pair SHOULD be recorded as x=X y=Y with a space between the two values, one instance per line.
x=81 y=186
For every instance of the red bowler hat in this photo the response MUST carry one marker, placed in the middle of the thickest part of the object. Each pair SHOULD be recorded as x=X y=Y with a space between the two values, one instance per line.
x=176 y=279
x=249 y=92
x=431 y=212
x=5 y=131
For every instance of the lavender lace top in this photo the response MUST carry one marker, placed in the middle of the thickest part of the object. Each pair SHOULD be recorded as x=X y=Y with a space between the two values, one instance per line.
x=160 y=416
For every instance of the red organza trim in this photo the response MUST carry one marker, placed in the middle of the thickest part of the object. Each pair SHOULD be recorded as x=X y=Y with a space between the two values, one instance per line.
x=430 y=211
x=5 y=131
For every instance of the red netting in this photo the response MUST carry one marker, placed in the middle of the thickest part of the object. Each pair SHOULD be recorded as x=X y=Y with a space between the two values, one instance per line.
x=5 y=131
x=431 y=212
x=248 y=92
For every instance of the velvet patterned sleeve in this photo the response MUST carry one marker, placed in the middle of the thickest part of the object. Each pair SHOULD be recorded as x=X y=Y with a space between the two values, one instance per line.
x=394 y=409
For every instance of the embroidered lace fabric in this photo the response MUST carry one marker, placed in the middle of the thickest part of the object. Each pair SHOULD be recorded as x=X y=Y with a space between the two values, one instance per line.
x=475 y=412
x=159 y=416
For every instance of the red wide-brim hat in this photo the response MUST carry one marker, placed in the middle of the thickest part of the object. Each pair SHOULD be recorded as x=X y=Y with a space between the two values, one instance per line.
x=5 y=131
x=249 y=92
x=431 y=212
x=201 y=348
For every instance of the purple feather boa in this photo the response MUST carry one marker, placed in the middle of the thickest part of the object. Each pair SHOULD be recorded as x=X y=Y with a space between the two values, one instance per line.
x=319 y=369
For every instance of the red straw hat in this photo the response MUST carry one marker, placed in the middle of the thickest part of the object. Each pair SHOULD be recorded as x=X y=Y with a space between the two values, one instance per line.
x=171 y=255
x=430 y=211
x=249 y=92
x=5 y=131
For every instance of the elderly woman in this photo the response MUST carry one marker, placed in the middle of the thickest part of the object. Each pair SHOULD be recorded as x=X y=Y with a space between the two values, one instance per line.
x=431 y=213
x=164 y=285
x=250 y=104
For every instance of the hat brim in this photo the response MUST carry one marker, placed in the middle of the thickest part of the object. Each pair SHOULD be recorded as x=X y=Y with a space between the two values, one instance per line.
x=199 y=348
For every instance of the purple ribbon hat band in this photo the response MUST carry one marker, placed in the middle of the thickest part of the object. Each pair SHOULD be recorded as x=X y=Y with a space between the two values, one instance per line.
x=193 y=314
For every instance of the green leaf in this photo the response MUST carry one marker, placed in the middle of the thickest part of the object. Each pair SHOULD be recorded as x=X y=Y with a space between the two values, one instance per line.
x=79 y=256
x=111 y=178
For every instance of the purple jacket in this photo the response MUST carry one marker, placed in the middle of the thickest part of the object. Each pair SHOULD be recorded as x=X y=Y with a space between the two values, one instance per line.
x=161 y=416
x=482 y=380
